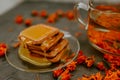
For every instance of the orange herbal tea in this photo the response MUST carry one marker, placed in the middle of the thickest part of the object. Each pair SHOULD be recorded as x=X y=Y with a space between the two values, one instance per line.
x=104 y=27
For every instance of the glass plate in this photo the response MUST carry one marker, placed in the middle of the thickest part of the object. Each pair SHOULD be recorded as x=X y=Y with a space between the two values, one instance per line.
x=14 y=60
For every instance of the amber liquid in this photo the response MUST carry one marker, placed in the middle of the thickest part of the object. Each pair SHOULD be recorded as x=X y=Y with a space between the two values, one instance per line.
x=104 y=28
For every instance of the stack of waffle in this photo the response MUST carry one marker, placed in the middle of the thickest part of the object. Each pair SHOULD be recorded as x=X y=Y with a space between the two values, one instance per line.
x=42 y=45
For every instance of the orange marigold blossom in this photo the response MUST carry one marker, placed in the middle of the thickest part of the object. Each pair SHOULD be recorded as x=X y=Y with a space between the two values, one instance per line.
x=112 y=75
x=109 y=75
x=81 y=58
x=90 y=61
x=34 y=13
x=113 y=67
x=28 y=22
x=100 y=66
x=56 y=73
x=52 y=18
x=71 y=66
x=112 y=59
x=60 y=13
x=80 y=53
x=108 y=57
x=70 y=15
x=65 y=75
x=43 y=13
x=19 y=19
x=3 y=49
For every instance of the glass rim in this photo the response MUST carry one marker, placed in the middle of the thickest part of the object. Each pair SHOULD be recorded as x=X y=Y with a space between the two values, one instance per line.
x=91 y=6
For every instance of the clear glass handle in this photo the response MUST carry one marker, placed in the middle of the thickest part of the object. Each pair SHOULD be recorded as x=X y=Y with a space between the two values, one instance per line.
x=78 y=9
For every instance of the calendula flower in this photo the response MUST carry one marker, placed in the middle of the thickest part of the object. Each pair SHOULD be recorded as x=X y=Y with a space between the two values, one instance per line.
x=65 y=75
x=81 y=58
x=3 y=49
x=71 y=66
x=90 y=61
x=100 y=66
x=56 y=73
